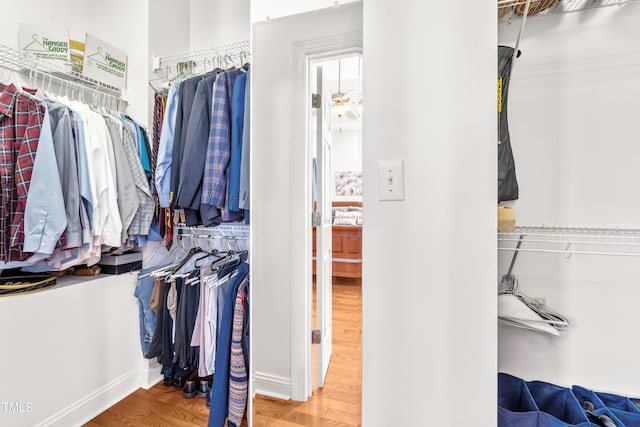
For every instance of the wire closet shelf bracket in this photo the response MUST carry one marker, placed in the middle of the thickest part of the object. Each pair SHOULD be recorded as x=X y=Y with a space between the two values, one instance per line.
x=197 y=61
x=17 y=61
x=573 y=240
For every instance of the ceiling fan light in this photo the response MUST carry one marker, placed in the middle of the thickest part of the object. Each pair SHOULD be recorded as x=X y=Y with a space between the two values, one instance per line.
x=339 y=109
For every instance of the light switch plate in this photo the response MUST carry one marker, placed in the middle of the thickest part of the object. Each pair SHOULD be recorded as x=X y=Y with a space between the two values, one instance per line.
x=390 y=180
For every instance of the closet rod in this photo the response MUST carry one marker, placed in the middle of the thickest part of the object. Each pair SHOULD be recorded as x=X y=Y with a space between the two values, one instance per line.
x=221 y=231
x=20 y=62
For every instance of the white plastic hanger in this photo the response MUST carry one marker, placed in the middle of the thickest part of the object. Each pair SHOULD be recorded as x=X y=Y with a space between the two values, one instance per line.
x=517 y=309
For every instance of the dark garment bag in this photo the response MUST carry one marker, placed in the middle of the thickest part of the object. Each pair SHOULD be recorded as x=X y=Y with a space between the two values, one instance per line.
x=507 y=182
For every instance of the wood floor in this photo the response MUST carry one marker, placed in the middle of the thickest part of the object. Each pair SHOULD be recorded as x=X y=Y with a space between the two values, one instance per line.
x=337 y=404
x=158 y=406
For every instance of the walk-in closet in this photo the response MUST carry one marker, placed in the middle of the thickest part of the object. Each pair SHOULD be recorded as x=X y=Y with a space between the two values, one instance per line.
x=572 y=102
x=118 y=298
x=181 y=226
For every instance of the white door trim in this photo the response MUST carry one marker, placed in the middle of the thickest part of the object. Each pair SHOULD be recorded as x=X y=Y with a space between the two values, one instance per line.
x=300 y=189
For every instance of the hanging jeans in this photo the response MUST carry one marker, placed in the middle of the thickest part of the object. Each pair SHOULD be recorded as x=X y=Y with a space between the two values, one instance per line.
x=143 y=291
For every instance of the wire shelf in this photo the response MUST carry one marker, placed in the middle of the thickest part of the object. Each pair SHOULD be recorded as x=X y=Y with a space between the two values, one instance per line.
x=616 y=241
x=199 y=61
x=20 y=62
x=563 y=6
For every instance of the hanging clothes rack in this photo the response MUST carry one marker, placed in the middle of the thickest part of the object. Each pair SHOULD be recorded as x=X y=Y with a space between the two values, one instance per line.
x=198 y=61
x=69 y=81
x=222 y=237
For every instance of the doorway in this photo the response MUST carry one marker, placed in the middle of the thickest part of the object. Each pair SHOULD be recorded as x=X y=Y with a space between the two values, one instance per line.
x=334 y=396
x=281 y=184
x=335 y=141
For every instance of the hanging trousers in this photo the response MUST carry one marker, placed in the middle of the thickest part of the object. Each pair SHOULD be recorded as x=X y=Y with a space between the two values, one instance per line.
x=186 y=357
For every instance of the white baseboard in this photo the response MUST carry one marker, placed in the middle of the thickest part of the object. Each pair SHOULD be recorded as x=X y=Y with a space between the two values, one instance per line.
x=151 y=374
x=272 y=386
x=97 y=402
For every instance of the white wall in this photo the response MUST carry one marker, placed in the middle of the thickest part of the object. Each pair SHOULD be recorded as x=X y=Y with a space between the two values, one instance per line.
x=108 y=21
x=443 y=279
x=163 y=42
x=573 y=107
x=429 y=305
x=73 y=14
x=218 y=22
x=69 y=352
x=261 y=10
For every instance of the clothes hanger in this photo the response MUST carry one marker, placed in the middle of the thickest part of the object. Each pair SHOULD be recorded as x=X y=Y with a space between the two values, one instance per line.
x=174 y=271
x=194 y=249
x=517 y=309
x=209 y=252
x=232 y=259
x=47 y=91
x=193 y=278
x=175 y=253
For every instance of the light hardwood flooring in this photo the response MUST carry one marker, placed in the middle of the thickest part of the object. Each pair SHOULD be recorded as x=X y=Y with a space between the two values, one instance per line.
x=337 y=404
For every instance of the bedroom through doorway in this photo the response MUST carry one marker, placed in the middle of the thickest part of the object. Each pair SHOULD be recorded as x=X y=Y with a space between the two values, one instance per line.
x=342 y=110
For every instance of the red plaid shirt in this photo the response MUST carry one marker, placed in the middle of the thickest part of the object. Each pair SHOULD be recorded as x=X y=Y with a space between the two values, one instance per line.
x=20 y=125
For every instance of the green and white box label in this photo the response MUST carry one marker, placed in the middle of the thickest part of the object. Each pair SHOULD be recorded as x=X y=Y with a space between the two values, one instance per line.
x=44 y=41
x=104 y=62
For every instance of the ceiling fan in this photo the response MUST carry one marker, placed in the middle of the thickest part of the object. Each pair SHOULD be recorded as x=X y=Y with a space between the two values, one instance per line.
x=348 y=103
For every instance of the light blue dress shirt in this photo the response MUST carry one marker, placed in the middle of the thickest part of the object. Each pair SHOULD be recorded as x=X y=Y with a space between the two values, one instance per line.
x=165 y=146
x=45 y=217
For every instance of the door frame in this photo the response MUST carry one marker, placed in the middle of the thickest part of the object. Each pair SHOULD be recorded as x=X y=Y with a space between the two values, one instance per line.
x=304 y=54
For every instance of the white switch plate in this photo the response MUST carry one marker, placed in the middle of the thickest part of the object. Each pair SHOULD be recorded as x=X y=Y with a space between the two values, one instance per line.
x=390 y=180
